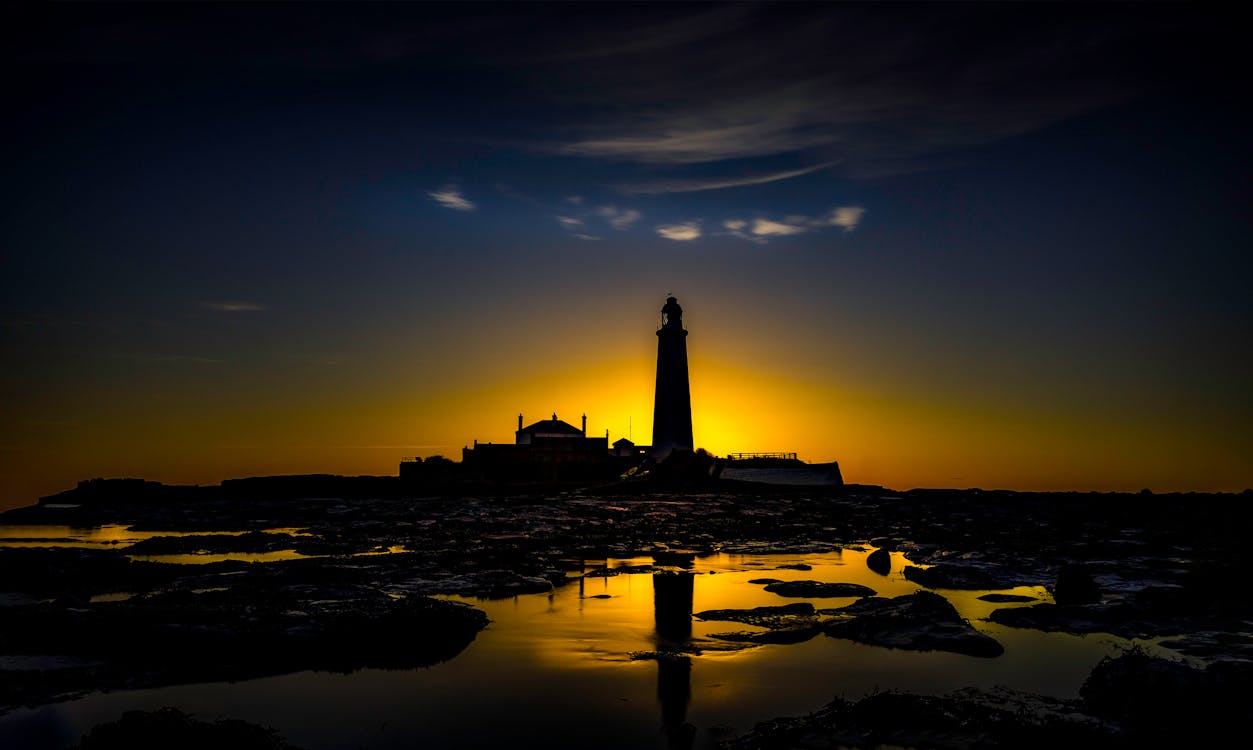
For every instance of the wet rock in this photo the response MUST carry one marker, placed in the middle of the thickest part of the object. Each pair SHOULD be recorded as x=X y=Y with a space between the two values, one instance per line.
x=766 y=617
x=1006 y=598
x=607 y=572
x=680 y=558
x=257 y=628
x=764 y=581
x=1213 y=645
x=796 y=566
x=485 y=584
x=250 y=542
x=922 y=621
x=798 y=632
x=963 y=720
x=1075 y=586
x=879 y=562
x=1161 y=703
x=818 y=589
x=963 y=576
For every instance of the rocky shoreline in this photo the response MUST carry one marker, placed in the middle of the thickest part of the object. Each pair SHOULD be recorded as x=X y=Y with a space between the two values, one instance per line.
x=78 y=620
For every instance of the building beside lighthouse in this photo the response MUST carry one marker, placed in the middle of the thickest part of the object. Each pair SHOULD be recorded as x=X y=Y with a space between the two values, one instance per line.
x=672 y=401
x=549 y=449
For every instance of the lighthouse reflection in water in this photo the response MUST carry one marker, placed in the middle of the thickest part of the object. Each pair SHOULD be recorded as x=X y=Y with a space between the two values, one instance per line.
x=672 y=609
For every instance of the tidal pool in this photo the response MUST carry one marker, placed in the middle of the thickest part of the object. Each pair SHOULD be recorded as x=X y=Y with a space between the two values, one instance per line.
x=556 y=670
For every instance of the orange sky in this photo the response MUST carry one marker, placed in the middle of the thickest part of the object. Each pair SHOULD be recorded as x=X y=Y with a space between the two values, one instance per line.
x=912 y=238
x=752 y=390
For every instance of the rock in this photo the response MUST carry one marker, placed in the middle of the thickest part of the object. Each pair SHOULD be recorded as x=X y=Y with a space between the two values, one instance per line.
x=1162 y=703
x=170 y=728
x=1075 y=586
x=1006 y=598
x=681 y=558
x=879 y=561
x=963 y=576
x=763 y=581
x=796 y=566
x=798 y=633
x=818 y=589
x=762 y=616
x=922 y=621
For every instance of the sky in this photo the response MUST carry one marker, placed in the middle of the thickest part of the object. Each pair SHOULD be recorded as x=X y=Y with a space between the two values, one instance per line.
x=997 y=245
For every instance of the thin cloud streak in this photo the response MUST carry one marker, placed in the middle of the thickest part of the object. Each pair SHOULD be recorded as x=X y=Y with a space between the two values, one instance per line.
x=859 y=86
x=696 y=185
x=235 y=306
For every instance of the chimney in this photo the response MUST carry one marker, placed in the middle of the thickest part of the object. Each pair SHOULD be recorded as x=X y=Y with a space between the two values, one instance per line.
x=519 y=420
x=584 y=425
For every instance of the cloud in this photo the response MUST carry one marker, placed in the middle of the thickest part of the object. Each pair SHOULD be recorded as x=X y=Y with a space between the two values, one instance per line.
x=761 y=230
x=619 y=218
x=450 y=196
x=768 y=228
x=589 y=237
x=865 y=87
x=846 y=216
x=688 y=230
x=570 y=222
x=715 y=183
x=235 y=306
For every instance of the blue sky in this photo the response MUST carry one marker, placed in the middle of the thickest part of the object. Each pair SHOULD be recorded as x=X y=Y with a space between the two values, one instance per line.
x=1016 y=208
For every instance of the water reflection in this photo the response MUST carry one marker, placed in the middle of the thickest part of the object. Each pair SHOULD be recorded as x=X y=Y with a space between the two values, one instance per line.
x=577 y=643
x=672 y=612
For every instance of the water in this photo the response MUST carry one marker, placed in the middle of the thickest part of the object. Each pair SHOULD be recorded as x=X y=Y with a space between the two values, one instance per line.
x=555 y=670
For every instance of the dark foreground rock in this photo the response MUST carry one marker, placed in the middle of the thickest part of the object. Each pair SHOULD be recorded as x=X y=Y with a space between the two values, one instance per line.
x=169 y=728
x=259 y=627
x=918 y=622
x=1131 y=701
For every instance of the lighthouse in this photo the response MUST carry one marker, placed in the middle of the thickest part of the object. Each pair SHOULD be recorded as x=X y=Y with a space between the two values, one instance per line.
x=672 y=405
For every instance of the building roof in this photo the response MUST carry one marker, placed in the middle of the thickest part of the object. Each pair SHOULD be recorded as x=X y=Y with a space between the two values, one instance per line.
x=623 y=441
x=552 y=426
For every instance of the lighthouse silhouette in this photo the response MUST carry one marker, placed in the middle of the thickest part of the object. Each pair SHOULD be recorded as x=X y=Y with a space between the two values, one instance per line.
x=672 y=405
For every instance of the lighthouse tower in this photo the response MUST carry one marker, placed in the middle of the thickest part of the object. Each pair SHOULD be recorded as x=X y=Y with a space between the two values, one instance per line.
x=672 y=406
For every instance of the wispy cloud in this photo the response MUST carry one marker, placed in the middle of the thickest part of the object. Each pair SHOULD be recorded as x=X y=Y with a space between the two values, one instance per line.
x=682 y=232
x=235 y=306
x=768 y=228
x=450 y=196
x=619 y=218
x=846 y=216
x=570 y=222
x=861 y=87
x=589 y=237
x=715 y=183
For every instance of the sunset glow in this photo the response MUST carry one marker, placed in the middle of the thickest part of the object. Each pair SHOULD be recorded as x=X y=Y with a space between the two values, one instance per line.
x=318 y=250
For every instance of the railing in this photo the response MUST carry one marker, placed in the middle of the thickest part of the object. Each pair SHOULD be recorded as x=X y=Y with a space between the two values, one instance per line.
x=746 y=456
